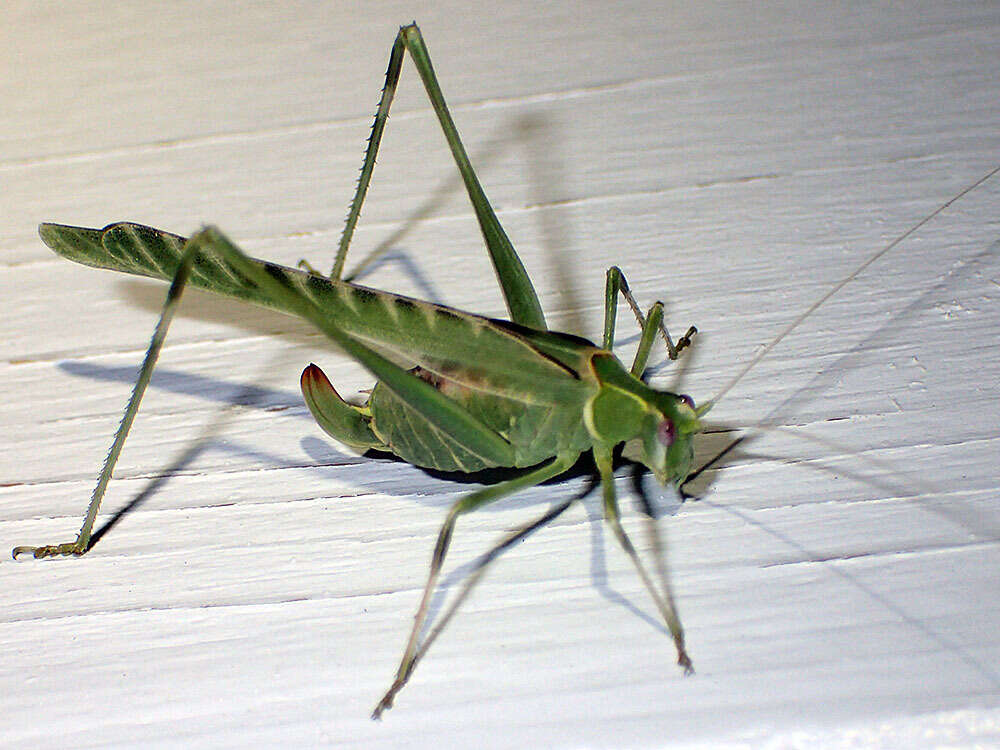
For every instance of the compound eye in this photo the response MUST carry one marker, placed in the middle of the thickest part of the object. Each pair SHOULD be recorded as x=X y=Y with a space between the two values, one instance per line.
x=666 y=433
x=687 y=400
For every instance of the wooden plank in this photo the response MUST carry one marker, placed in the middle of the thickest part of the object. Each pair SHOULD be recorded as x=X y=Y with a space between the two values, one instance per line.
x=838 y=578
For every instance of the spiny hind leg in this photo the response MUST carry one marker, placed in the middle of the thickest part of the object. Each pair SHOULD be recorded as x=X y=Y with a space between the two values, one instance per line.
x=518 y=292
x=82 y=542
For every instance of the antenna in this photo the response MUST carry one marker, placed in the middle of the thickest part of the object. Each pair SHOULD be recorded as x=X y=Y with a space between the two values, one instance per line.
x=840 y=285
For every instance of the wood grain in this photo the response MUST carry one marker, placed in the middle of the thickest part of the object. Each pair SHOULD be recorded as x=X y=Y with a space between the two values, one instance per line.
x=838 y=578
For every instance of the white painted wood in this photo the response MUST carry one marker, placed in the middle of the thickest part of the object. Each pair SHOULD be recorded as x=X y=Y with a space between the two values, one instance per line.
x=838 y=578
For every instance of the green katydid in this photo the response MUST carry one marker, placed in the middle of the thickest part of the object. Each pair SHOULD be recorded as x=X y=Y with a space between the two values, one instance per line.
x=484 y=392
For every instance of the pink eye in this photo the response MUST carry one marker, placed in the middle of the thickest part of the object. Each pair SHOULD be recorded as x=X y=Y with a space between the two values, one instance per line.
x=687 y=399
x=666 y=432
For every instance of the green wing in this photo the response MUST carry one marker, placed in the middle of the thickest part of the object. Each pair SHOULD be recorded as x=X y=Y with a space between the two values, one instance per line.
x=533 y=367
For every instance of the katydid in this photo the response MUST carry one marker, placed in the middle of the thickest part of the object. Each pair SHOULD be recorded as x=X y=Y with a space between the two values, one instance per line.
x=484 y=393
x=480 y=392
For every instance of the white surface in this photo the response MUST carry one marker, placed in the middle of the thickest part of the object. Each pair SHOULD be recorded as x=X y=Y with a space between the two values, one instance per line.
x=838 y=580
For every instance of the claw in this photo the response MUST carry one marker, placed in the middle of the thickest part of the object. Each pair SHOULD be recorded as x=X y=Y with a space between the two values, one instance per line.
x=684 y=661
x=685 y=341
x=49 y=550
x=383 y=705
x=386 y=703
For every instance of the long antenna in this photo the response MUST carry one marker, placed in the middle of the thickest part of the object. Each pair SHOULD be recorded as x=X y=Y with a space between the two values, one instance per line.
x=840 y=285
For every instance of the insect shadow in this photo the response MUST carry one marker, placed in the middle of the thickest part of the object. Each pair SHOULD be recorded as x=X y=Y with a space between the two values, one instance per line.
x=200 y=444
x=322 y=451
x=653 y=505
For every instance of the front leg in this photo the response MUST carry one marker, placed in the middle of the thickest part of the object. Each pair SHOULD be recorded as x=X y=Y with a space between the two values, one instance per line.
x=617 y=284
x=664 y=602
